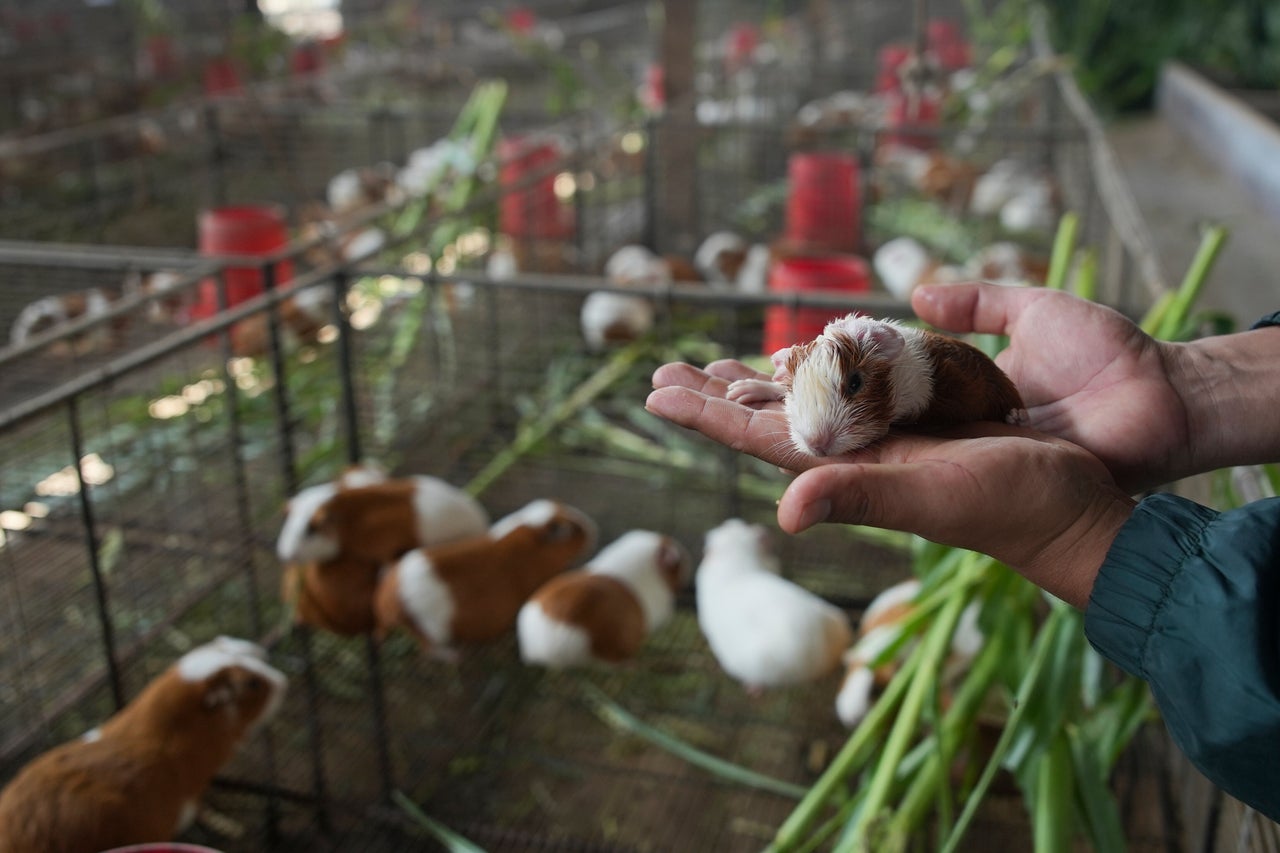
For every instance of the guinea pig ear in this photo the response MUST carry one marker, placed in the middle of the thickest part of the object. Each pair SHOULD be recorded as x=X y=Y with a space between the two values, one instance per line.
x=560 y=530
x=672 y=562
x=219 y=690
x=884 y=338
x=779 y=359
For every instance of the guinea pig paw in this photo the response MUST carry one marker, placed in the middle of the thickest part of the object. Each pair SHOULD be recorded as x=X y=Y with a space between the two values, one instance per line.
x=749 y=391
x=1019 y=417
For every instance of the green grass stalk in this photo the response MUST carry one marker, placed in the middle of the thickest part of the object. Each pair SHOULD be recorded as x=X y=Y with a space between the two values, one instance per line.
x=1052 y=811
x=957 y=720
x=532 y=434
x=1045 y=644
x=1086 y=280
x=452 y=841
x=1064 y=246
x=855 y=753
x=935 y=645
x=1189 y=291
x=618 y=718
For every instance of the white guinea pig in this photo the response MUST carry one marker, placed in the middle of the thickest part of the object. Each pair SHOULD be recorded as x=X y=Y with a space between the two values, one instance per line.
x=139 y=777
x=605 y=611
x=764 y=630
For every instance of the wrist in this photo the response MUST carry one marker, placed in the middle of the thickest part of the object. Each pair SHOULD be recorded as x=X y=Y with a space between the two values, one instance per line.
x=1228 y=387
x=1069 y=565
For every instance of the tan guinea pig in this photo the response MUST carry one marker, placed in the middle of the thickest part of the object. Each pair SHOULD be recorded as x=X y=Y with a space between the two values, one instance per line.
x=607 y=610
x=471 y=591
x=140 y=776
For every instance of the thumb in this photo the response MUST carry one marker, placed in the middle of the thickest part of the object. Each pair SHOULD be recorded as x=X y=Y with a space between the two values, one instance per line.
x=991 y=309
x=914 y=497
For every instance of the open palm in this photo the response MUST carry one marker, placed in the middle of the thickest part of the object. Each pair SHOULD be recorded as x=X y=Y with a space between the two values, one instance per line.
x=1085 y=372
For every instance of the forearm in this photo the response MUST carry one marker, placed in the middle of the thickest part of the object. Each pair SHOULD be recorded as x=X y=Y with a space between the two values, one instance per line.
x=1230 y=386
x=1187 y=599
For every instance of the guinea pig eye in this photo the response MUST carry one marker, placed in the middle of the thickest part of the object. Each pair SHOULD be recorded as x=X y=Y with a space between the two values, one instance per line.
x=854 y=384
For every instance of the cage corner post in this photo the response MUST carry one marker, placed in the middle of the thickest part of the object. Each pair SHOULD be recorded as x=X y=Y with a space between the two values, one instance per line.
x=676 y=172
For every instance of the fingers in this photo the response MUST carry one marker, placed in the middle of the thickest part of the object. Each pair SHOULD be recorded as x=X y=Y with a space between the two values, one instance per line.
x=713 y=380
x=731 y=370
x=917 y=497
x=971 y=307
x=679 y=374
x=760 y=432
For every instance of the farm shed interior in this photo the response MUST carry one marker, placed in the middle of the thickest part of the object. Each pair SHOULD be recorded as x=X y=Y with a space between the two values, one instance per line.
x=150 y=452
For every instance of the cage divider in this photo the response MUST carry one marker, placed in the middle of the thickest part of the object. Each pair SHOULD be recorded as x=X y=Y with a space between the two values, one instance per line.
x=101 y=597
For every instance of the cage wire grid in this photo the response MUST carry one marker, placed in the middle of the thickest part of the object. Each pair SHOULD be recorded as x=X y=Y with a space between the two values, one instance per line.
x=177 y=544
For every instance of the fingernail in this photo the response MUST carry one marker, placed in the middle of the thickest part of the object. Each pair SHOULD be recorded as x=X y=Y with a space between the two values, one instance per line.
x=815 y=513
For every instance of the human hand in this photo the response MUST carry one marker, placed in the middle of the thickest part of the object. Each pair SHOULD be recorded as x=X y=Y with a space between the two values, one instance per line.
x=1085 y=372
x=1044 y=506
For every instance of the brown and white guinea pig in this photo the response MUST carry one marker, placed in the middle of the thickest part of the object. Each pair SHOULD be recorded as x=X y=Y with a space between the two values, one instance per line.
x=605 y=611
x=139 y=777
x=51 y=312
x=726 y=259
x=843 y=390
x=338 y=537
x=367 y=518
x=471 y=591
x=880 y=627
x=764 y=630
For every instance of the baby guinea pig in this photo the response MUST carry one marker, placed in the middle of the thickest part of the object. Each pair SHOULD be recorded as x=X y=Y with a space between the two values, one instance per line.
x=607 y=610
x=139 y=777
x=844 y=389
x=471 y=591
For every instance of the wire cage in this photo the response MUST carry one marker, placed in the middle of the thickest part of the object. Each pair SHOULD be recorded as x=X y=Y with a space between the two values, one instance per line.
x=143 y=487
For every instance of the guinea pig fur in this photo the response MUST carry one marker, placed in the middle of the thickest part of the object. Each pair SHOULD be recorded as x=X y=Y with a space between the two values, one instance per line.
x=605 y=612
x=764 y=630
x=842 y=390
x=301 y=507
x=379 y=521
x=472 y=590
x=338 y=538
x=139 y=777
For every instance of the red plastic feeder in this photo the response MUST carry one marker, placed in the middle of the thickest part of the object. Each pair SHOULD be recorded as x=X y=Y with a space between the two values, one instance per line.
x=160 y=58
x=222 y=78
x=785 y=326
x=653 y=94
x=947 y=44
x=741 y=43
x=922 y=111
x=530 y=207
x=890 y=61
x=248 y=230
x=822 y=201
x=306 y=58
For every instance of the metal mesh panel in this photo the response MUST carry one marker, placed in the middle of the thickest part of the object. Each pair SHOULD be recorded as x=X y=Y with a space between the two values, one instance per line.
x=190 y=453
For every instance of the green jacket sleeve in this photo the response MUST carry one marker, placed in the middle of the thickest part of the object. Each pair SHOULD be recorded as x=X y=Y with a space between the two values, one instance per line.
x=1188 y=599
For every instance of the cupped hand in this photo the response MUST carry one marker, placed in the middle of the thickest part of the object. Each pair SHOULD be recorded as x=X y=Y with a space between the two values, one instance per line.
x=1042 y=505
x=1086 y=373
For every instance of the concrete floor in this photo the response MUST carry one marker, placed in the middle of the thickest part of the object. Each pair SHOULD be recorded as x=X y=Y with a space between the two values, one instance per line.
x=1179 y=190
